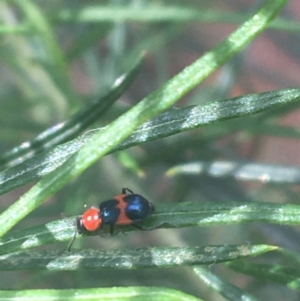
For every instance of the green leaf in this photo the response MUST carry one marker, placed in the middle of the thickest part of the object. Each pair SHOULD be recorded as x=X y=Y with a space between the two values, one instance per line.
x=173 y=121
x=166 y=215
x=57 y=260
x=226 y=289
x=274 y=272
x=112 y=293
x=159 y=13
x=243 y=171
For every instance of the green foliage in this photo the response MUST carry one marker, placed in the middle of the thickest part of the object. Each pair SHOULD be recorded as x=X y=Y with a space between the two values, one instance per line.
x=48 y=48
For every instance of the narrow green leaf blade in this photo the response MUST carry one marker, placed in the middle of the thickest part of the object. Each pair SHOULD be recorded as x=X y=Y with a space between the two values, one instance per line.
x=226 y=289
x=57 y=260
x=175 y=215
x=131 y=293
x=243 y=171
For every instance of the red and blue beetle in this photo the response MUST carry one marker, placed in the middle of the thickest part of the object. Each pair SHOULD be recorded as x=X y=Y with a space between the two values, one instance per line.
x=124 y=209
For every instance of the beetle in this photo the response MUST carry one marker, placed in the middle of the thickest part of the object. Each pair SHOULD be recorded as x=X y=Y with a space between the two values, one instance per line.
x=124 y=209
